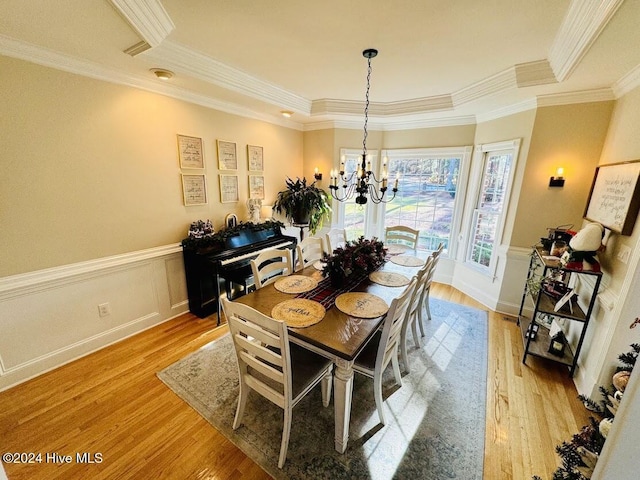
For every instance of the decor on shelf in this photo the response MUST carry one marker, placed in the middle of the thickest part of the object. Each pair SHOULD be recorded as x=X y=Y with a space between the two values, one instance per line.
x=357 y=257
x=557 y=344
x=583 y=248
x=303 y=204
x=363 y=181
x=204 y=237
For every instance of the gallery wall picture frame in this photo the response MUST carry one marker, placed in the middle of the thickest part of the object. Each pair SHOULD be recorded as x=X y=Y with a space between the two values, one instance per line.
x=194 y=189
x=256 y=186
x=190 y=152
x=227 y=156
x=614 y=199
x=229 y=189
x=255 y=158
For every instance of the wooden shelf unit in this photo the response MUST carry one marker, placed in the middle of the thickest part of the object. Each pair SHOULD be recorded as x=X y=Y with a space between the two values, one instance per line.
x=544 y=304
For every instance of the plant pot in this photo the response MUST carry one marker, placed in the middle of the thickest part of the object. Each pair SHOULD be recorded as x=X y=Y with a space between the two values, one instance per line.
x=301 y=216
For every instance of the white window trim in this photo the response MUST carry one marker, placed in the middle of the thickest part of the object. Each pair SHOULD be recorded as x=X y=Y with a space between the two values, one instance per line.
x=464 y=153
x=480 y=153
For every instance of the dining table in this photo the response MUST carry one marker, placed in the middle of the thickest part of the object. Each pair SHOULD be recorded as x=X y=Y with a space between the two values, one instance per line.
x=338 y=336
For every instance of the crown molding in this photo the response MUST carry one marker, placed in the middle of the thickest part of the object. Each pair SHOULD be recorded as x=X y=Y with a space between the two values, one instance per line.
x=147 y=17
x=178 y=58
x=58 y=61
x=486 y=87
x=534 y=73
x=585 y=96
x=327 y=106
x=392 y=124
x=583 y=23
x=627 y=83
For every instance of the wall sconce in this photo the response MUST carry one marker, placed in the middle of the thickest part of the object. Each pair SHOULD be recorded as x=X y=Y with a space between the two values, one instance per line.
x=558 y=180
x=317 y=175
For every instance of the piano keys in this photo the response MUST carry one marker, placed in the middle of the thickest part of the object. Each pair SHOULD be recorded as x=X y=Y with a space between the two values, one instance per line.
x=207 y=270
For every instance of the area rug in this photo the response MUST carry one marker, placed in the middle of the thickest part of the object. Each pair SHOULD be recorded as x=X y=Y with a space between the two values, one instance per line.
x=435 y=421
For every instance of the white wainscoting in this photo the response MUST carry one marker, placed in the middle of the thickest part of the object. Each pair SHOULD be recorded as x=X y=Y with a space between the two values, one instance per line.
x=50 y=317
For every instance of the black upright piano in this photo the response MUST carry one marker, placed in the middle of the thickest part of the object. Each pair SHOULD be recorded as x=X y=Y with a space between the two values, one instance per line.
x=208 y=268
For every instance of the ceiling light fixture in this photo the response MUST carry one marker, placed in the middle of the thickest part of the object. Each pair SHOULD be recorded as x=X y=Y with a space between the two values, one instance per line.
x=286 y=113
x=162 y=74
x=363 y=181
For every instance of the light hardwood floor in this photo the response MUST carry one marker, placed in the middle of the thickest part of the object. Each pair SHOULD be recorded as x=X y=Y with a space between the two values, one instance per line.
x=111 y=403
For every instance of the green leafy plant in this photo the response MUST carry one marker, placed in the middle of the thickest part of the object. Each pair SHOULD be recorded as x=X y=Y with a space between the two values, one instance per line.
x=201 y=234
x=303 y=204
x=357 y=257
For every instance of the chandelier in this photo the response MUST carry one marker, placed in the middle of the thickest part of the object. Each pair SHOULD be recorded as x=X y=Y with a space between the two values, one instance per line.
x=362 y=182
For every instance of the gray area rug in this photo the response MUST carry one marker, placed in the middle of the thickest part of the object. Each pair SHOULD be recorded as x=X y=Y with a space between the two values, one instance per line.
x=435 y=421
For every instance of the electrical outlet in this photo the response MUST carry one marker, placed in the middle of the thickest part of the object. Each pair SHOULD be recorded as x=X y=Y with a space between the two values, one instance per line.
x=104 y=309
x=623 y=253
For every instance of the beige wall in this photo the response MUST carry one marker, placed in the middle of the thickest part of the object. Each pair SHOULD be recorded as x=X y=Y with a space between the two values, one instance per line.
x=90 y=169
x=568 y=136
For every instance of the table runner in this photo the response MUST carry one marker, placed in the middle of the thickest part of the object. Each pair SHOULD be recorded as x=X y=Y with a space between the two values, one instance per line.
x=326 y=294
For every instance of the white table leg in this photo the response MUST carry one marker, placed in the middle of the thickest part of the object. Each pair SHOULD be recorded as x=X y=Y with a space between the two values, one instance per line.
x=343 y=389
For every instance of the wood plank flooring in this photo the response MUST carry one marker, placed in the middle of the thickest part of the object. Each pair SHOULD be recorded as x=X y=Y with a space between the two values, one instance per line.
x=111 y=403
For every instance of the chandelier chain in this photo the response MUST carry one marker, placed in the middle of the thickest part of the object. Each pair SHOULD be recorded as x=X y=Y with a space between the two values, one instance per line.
x=366 y=108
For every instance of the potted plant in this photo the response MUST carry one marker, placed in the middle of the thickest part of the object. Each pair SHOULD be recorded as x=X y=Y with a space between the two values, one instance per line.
x=358 y=257
x=303 y=204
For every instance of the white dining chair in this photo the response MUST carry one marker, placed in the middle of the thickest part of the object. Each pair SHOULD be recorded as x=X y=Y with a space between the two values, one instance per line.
x=270 y=265
x=336 y=237
x=427 y=289
x=308 y=251
x=268 y=364
x=402 y=235
x=414 y=313
x=383 y=348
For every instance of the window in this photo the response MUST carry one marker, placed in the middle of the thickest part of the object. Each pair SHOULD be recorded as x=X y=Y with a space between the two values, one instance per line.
x=354 y=218
x=487 y=224
x=430 y=194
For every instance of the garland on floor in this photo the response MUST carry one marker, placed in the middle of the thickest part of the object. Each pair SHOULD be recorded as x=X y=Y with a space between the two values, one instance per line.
x=579 y=456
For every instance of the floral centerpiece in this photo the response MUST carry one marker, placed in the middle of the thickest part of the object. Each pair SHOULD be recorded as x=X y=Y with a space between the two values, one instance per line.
x=357 y=257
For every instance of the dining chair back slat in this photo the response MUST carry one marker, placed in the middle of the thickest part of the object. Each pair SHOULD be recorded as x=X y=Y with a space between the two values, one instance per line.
x=400 y=234
x=383 y=348
x=268 y=364
x=414 y=312
x=308 y=251
x=427 y=289
x=270 y=265
x=336 y=237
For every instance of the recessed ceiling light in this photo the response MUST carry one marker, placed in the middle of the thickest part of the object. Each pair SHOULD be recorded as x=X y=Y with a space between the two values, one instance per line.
x=162 y=74
x=286 y=113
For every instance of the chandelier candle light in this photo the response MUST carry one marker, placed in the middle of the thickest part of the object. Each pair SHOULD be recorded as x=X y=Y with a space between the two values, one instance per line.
x=363 y=181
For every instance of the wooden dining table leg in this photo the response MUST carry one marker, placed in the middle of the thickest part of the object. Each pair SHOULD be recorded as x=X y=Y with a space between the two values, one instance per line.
x=343 y=390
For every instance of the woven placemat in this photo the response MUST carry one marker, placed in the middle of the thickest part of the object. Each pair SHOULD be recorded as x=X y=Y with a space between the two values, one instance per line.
x=295 y=284
x=318 y=265
x=361 y=305
x=407 y=261
x=298 y=312
x=389 y=279
x=395 y=249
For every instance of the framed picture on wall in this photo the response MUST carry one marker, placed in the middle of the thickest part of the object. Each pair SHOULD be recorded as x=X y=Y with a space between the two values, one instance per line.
x=190 y=152
x=194 y=189
x=614 y=200
x=229 y=188
x=255 y=159
x=227 y=158
x=256 y=186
